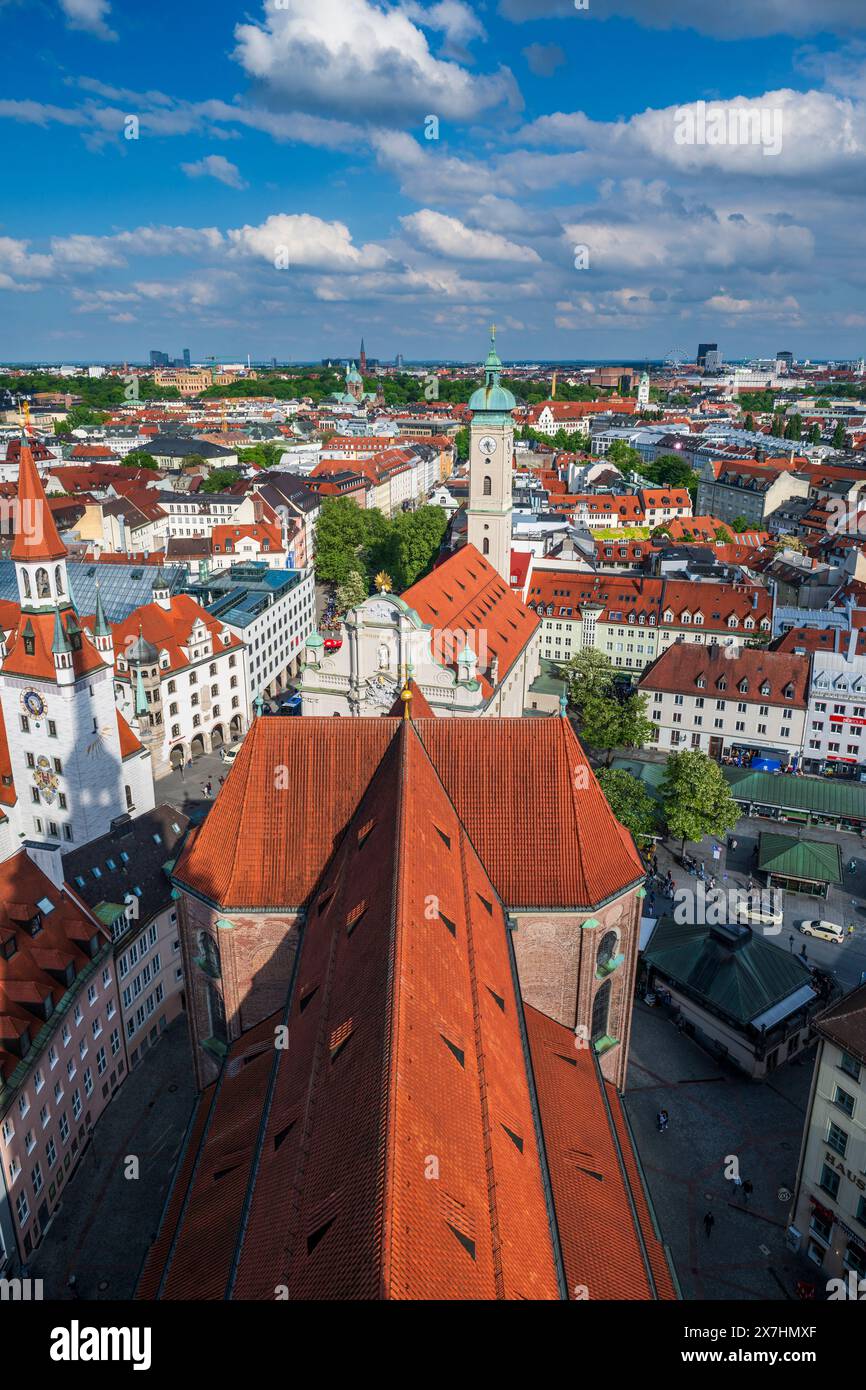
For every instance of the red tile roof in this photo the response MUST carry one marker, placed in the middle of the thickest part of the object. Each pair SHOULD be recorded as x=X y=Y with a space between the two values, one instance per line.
x=768 y=674
x=534 y=771
x=168 y=629
x=605 y=1238
x=466 y=600
x=392 y=1150
x=27 y=976
x=37 y=538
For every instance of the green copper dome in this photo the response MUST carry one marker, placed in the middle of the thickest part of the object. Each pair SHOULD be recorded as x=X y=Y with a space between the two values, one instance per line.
x=491 y=397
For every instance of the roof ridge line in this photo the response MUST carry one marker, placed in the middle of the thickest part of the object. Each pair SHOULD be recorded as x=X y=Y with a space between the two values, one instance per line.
x=492 y=1204
x=393 y=996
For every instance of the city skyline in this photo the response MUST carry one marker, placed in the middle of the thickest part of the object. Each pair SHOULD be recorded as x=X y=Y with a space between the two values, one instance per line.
x=575 y=189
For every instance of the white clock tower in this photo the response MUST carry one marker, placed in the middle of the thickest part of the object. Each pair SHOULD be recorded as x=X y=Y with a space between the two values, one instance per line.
x=491 y=461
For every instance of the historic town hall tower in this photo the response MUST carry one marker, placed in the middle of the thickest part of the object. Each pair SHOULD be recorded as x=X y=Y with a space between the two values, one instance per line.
x=490 y=467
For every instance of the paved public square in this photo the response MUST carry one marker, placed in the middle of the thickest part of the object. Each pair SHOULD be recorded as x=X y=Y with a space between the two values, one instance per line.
x=717 y=1115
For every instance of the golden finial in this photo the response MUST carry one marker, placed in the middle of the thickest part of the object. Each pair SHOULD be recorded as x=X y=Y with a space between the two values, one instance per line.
x=493 y=332
x=406 y=697
x=383 y=582
x=25 y=412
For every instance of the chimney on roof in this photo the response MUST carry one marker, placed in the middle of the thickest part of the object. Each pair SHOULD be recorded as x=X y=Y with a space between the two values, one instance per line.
x=494 y=671
x=755 y=599
x=852 y=643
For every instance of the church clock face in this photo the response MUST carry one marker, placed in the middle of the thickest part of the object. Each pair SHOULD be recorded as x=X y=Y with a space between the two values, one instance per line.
x=33 y=703
x=487 y=444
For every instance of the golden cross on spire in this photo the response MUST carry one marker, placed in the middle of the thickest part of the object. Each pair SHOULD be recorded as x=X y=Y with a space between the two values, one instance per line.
x=493 y=332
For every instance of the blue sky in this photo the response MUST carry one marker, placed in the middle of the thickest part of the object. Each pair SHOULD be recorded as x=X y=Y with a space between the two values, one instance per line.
x=280 y=195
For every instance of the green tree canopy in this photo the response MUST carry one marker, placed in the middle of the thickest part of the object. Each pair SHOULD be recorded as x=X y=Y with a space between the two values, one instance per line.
x=607 y=723
x=589 y=673
x=696 y=800
x=670 y=470
x=840 y=438
x=352 y=591
x=623 y=457
x=219 y=479
x=742 y=523
x=139 y=458
x=630 y=801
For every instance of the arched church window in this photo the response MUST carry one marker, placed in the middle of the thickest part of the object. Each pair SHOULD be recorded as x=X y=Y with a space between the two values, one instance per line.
x=58 y=579
x=606 y=950
x=27 y=593
x=209 y=953
x=600 y=1010
x=43 y=588
x=485 y=546
x=488 y=487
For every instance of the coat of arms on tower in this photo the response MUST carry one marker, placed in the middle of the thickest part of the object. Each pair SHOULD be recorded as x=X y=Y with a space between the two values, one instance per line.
x=45 y=778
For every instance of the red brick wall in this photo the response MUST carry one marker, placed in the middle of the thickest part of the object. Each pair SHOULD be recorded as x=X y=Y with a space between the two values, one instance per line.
x=556 y=964
x=257 y=954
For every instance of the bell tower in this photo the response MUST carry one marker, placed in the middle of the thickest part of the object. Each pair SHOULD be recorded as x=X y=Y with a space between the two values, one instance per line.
x=491 y=461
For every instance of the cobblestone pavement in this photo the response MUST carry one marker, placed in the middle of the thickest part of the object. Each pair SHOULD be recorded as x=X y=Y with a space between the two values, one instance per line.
x=106 y=1222
x=714 y=1115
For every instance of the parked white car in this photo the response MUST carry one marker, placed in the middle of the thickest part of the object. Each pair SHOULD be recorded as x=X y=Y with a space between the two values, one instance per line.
x=826 y=931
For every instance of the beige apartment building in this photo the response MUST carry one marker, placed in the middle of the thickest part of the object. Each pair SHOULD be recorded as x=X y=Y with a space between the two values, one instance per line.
x=728 y=701
x=829 y=1209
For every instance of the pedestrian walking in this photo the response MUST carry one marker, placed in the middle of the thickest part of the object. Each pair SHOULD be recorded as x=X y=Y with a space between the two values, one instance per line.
x=664 y=1115
x=709 y=1223
x=850 y=928
x=748 y=1189
x=652 y=904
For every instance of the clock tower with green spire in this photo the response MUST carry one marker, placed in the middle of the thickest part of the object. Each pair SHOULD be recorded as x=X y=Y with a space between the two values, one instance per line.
x=491 y=461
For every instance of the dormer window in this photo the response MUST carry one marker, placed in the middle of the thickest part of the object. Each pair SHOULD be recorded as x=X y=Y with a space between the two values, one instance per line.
x=765 y=688
x=700 y=683
x=743 y=687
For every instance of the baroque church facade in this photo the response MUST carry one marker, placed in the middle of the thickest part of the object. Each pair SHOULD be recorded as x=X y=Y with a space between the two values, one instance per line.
x=461 y=635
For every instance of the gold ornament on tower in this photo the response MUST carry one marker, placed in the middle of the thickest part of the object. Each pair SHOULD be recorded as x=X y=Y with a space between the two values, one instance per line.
x=383 y=582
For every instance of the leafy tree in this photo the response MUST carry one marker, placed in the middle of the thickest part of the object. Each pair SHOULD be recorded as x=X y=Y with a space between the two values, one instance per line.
x=815 y=434
x=630 y=801
x=794 y=428
x=139 y=458
x=749 y=423
x=840 y=438
x=265 y=455
x=198 y=461
x=461 y=443
x=740 y=524
x=589 y=674
x=219 y=479
x=342 y=532
x=723 y=535
x=352 y=591
x=669 y=470
x=608 y=723
x=696 y=800
x=623 y=457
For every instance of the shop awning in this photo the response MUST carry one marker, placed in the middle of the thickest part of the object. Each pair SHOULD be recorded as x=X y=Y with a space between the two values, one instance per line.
x=777 y=1012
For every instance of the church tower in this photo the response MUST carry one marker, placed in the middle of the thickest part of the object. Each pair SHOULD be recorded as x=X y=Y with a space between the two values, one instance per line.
x=491 y=458
x=57 y=691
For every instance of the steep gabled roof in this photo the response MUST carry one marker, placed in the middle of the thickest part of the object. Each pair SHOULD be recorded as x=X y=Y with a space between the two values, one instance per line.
x=555 y=841
x=36 y=537
x=398 y=1154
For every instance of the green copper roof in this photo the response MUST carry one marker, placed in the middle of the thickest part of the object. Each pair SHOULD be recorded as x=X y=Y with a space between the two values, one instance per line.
x=815 y=860
x=140 y=696
x=491 y=397
x=315 y=640
x=60 y=643
x=740 y=977
x=100 y=627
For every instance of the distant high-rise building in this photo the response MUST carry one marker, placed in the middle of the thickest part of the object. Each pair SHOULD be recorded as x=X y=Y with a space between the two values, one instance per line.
x=158 y=359
x=713 y=361
x=398 y=360
x=787 y=358
x=186 y=361
x=703 y=349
